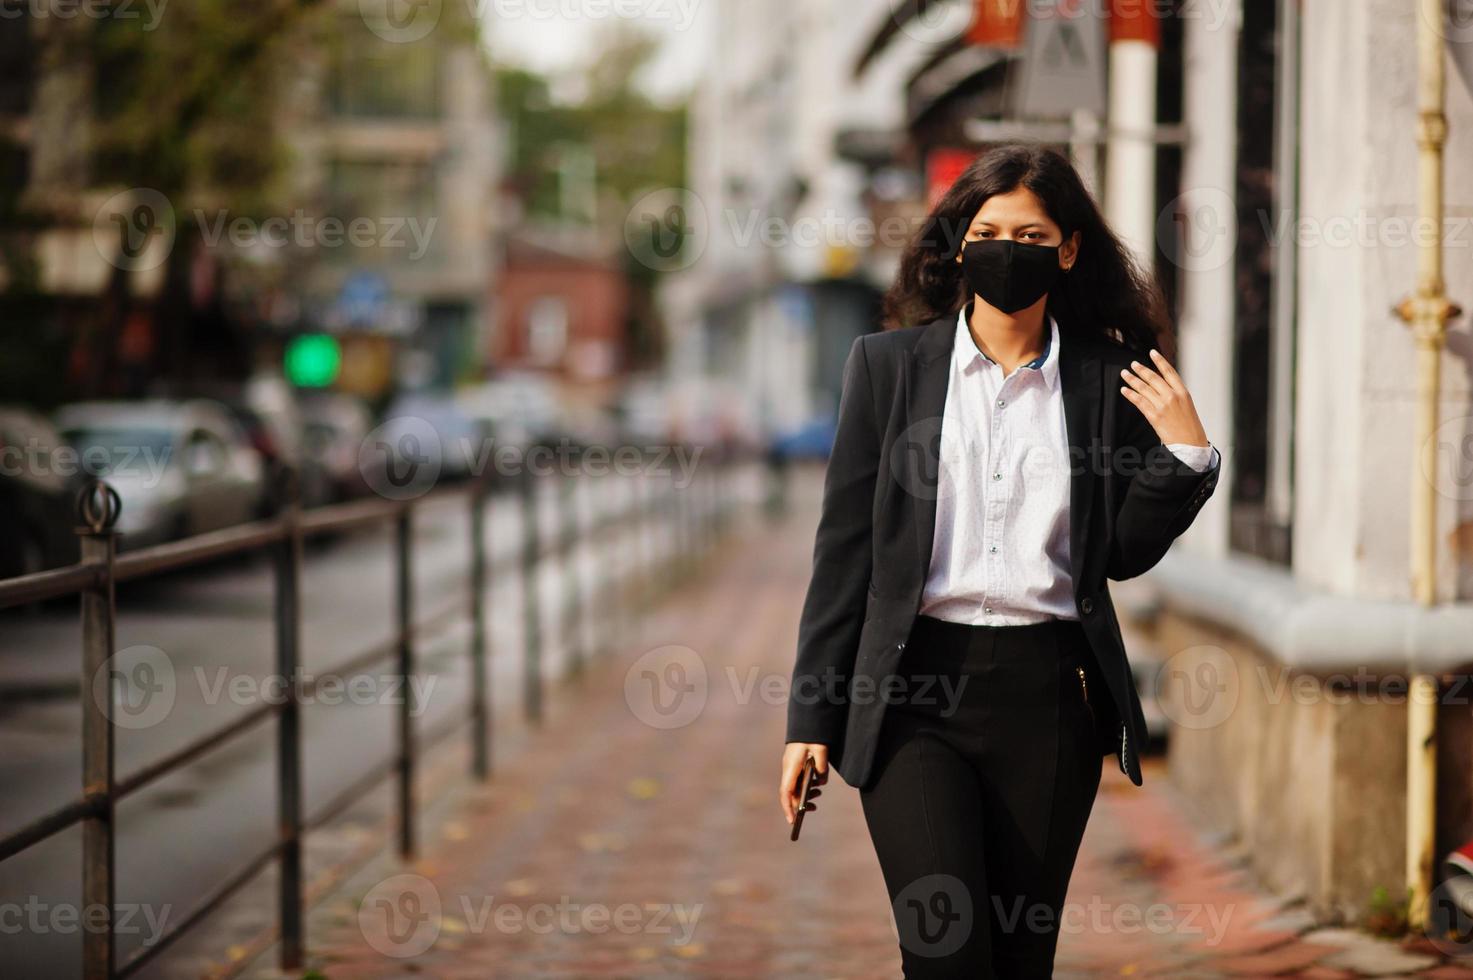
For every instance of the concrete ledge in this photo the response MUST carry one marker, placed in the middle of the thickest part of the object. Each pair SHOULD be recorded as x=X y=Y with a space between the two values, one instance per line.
x=1316 y=633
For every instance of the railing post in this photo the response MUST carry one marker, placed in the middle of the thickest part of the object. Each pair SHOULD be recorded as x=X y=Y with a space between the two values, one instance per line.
x=645 y=574
x=531 y=607
x=672 y=563
x=97 y=511
x=480 y=676
x=614 y=566
x=404 y=606
x=288 y=614
x=568 y=566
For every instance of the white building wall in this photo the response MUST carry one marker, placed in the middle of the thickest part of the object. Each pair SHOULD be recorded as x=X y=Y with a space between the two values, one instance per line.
x=1357 y=383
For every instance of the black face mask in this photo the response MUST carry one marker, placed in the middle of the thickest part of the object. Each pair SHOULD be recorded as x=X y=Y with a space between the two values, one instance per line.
x=1009 y=275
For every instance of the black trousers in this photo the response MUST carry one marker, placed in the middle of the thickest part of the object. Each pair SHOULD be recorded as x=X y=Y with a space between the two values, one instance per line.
x=986 y=771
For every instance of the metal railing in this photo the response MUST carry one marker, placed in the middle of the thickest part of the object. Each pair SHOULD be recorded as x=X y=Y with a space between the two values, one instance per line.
x=694 y=515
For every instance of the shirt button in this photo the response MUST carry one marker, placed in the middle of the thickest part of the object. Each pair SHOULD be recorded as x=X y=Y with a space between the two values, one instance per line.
x=987 y=610
x=997 y=476
x=1000 y=403
x=993 y=549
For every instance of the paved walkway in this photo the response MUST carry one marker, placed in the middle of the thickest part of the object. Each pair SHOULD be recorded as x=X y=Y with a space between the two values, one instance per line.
x=637 y=835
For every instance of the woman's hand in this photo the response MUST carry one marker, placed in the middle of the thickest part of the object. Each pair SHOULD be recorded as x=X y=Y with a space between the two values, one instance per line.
x=1165 y=402
x=793 y=755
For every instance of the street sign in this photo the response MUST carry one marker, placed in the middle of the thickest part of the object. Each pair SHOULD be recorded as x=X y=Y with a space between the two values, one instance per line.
x=363 y=299
x=1063 y=65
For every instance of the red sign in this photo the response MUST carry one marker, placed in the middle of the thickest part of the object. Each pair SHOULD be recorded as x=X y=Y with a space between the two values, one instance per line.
x=1135 y=20
x=943 y=167
x=997 y=23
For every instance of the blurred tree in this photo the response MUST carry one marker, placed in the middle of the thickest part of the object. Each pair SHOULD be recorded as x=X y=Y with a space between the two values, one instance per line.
x=586 y=146
x=187 y=108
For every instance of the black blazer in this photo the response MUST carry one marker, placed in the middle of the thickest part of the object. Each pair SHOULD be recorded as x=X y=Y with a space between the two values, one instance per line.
x=1129 y=498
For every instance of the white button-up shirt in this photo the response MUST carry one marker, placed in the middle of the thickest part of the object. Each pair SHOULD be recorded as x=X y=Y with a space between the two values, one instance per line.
x=1000 y=555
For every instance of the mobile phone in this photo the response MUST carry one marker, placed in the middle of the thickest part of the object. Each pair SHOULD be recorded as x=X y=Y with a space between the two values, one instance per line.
x=805 y=790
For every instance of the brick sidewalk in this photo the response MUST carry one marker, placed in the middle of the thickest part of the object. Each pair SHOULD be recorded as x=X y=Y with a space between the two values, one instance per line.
x=625 y=842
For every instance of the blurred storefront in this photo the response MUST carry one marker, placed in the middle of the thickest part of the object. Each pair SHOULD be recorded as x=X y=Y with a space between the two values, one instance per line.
x=370 y=157
x=563 y=311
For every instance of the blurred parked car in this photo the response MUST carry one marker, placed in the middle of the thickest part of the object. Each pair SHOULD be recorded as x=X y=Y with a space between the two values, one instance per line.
x=38 y=492
x=266 y=408
x=334 y=427
x=181 y=468
x=643 y=413
x=461 y=438
x=521 y=409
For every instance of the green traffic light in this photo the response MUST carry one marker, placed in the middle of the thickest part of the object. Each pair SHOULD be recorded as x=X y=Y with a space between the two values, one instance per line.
x=313 y=360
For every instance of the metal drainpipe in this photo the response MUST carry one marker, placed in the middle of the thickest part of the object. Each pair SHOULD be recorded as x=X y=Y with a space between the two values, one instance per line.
x=1427 y=311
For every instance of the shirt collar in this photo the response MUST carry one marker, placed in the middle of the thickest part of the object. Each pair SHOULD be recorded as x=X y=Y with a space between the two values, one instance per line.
x=1046 y=363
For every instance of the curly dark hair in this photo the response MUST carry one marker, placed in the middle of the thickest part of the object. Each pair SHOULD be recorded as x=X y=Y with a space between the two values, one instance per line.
x=1105 y=293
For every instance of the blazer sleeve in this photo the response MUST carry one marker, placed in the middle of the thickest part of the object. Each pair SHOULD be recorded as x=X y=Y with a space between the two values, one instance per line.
x=833 y=610
x=1161 y=499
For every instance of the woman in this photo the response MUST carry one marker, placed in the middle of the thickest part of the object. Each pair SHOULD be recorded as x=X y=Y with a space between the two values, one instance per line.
x=1015 y=439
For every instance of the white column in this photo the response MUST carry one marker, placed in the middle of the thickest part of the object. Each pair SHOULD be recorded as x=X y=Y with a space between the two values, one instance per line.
x=1207 y=215
x=1130 y=168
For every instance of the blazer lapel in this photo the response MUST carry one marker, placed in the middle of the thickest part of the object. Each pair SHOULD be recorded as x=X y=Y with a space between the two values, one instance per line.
x=926 y=379
x=1080 y=372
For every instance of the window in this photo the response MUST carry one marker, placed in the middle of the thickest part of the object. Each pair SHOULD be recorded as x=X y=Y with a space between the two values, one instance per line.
x=1265 y=270
x=547 y=330
x=372 y=77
